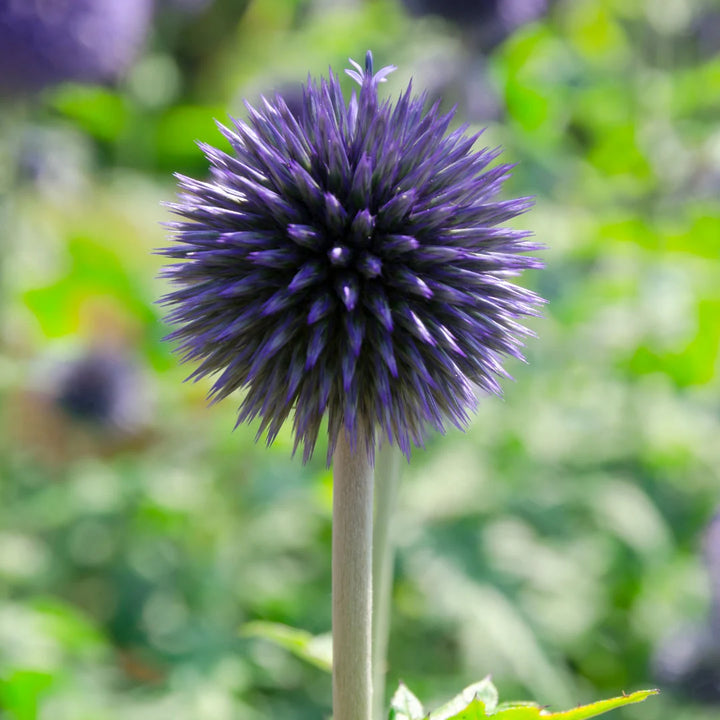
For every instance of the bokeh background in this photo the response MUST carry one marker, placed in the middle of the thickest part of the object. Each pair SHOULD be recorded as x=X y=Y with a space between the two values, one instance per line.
x=561 y=544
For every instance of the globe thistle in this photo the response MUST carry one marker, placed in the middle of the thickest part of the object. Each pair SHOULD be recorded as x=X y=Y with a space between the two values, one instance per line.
x=45 y=43
x=349 y=262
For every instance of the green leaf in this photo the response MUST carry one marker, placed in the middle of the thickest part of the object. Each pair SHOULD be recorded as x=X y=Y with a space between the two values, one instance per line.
x=99 y=111
x=20 y=693
x=603 y=706
x=475 y=710
x=315 y=649
x=405 y=706
x=481 y=697
x=521 y=711
x=480 y=701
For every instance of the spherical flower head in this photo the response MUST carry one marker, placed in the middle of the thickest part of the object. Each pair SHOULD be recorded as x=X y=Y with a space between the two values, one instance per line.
x=44 y=43
x=348 y=262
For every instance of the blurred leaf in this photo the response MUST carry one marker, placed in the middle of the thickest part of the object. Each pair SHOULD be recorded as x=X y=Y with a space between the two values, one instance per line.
x=700 y=235
x=100 y=112
x=94 y=270
x=475 y=710
x=182 y=126
x=21 y=691
x=405 y=706
x=616 y=152
x=480 y=696
x=695 y=363
x=593 y=31
x=74 y=632
x=527 y=105
x=686 y=98
x=315 y=649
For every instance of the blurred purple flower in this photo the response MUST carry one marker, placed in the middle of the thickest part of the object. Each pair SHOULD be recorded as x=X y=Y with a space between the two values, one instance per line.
x=102 y=389
x=688 y=663
x=44 y=43
x=711 y=553
x=85 y=401
x=688 y=659
x=490 y=20
x=188 y=6
x=348 y=261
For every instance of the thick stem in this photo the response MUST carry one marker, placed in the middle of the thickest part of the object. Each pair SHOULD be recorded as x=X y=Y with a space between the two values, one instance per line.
x=387 y=480
x=352 y=581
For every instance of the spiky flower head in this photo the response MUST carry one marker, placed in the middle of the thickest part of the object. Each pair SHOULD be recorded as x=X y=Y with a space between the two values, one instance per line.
x=43 y=43
x=348 y=262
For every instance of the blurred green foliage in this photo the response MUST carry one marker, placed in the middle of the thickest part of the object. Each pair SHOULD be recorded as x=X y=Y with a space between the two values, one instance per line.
x=554 y=544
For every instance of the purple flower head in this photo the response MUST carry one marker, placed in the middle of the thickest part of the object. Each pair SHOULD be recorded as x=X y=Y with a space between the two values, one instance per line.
x=348 y=262
x=43 y=43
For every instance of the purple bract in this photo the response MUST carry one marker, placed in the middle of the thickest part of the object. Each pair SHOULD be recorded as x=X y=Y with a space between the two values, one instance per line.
x=348 y=261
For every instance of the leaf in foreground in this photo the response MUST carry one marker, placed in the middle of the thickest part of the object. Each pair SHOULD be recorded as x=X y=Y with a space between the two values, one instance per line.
x=405 y=706
x=482 y=693
x=583 y=712
x=480 y=701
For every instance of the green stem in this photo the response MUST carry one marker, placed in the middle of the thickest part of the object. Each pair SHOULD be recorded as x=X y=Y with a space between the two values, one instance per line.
x=387 y=480
x=352 y=581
